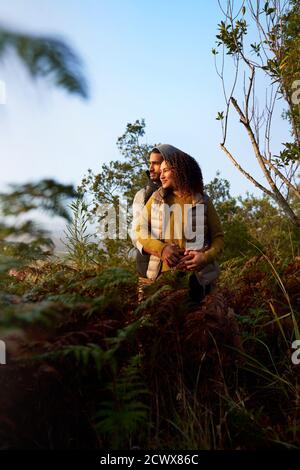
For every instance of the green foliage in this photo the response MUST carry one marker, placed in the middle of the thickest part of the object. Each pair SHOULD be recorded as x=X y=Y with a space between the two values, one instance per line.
x=23 y=228
x=117 y=180
x=139 y=381
x=38 y=249
x=219 y=190
x=237 y=236
x=44 y=313
x=82 y=355
x=46 y=57
x=47 y=195
x=237 y=239
x=152 y=300
x=232 y=36
x=290 y=69
x=117 y=288
x=126 y=334
x=25 y=239
x=244 y=220
x=37 y=246
x=120 y=177
x=163 y=373
x=68 y=298
x=112 y=279
x=290 y=153
x=81 y=251
x=283 y=237
x=126 y=413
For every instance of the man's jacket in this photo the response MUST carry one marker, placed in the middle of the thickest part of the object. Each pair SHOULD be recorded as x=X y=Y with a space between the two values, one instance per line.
x=140 y=199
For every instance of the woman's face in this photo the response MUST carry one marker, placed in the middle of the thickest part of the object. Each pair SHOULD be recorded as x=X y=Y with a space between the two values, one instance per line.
x=167 y=176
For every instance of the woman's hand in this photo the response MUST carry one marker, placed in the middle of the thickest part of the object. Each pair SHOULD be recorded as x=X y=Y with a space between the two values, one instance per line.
x=192 y=260
x=172 y=254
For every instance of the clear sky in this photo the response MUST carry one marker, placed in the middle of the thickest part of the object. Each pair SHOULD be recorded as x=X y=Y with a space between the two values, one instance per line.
x=144 y=59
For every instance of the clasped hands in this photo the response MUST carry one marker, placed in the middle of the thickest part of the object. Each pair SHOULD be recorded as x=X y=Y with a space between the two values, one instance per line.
x=179 y=258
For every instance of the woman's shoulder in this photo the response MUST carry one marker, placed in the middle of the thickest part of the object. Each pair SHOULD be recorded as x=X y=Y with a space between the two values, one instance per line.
x=158 y=195
x=199 y=198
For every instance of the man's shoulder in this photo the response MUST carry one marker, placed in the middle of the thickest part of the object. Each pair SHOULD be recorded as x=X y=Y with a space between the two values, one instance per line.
x=139 y=197
x=140 y=192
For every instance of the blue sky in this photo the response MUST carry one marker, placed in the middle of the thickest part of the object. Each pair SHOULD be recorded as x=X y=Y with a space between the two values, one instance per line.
x=143 y=59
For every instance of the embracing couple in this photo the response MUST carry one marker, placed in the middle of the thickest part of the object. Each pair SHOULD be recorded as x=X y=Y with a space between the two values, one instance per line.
x=175 y=225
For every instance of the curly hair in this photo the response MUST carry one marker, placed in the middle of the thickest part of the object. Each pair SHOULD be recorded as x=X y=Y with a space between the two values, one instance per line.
x=187 y=172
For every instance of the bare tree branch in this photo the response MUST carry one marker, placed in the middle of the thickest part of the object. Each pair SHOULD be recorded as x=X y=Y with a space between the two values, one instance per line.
x=244 y=172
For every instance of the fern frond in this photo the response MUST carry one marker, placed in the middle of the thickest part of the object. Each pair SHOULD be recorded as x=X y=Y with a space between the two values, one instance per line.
x=125 y=413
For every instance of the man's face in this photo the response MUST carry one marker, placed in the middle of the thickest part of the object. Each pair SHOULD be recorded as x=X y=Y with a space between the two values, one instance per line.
x=155 y=160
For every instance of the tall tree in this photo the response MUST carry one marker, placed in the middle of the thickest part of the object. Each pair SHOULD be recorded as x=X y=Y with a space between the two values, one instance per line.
x=272 y=58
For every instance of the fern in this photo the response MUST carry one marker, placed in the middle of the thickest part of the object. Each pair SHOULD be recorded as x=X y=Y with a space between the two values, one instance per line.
x=152 y=300
x=118 y=291
x=125 y=413
x=90 y=354
x=112 y=279
x=68 y=298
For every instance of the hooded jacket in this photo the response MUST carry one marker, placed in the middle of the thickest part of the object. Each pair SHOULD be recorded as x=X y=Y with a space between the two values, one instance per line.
x=168 y=150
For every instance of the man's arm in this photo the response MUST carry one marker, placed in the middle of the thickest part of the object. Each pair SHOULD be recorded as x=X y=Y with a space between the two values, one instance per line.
x=137 y=207
x=145 y=242
x=169 y=253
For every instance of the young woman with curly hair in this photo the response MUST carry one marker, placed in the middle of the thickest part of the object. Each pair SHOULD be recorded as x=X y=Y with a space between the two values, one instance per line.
x=179 y=226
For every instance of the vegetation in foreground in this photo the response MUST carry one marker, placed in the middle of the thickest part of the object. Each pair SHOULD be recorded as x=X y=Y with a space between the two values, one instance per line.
x=89 y=367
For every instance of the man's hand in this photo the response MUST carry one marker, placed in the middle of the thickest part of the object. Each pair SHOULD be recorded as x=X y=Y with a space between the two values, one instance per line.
x=192 y=260
x=182 y=263
x=172 y=254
